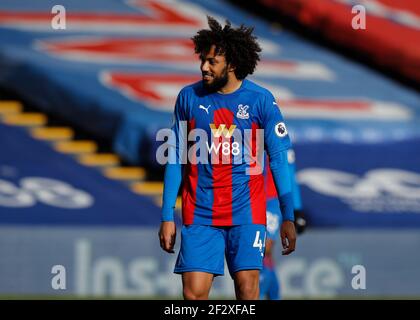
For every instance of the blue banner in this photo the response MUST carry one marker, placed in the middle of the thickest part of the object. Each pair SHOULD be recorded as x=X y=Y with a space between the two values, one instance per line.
x=41 y=186
x=366 y=186
x=115 y=263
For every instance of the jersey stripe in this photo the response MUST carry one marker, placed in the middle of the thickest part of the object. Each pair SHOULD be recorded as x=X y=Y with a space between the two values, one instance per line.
x=256 y=186
x=222 y=173
x=190 y=186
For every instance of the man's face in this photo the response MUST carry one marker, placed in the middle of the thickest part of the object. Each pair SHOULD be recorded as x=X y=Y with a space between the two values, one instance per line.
x=214 y=70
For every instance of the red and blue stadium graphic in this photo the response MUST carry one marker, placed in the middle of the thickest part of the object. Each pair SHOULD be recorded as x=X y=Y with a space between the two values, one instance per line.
x=385 y=31
x=116 y=69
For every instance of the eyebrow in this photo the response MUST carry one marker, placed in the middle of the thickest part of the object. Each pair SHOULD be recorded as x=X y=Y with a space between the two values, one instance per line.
x=212 y=59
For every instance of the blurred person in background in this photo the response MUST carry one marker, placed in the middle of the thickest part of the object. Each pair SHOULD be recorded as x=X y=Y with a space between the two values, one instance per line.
x=270 y=286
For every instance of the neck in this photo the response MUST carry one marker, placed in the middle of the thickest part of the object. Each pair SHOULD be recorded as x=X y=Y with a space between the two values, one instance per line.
x=232 y=85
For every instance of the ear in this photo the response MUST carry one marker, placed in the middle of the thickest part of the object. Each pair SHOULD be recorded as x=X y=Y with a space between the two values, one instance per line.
x=231 y=68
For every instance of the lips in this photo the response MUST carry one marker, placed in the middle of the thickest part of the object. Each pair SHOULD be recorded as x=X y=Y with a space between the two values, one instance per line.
x=207 y=77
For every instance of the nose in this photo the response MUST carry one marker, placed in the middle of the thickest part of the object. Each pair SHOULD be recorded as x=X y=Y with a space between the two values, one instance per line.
x=205 y=66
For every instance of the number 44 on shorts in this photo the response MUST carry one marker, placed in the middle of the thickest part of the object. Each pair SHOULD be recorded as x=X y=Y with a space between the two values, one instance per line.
x=258 y=242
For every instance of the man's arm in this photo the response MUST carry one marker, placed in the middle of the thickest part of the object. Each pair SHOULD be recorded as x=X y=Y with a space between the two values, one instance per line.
x=172 y=180
x=171 y=184
x=281 y=176
x=277 y=142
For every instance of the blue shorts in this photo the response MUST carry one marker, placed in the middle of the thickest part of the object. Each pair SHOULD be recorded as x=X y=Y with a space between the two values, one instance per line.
x=203 y=248
x=274 y=219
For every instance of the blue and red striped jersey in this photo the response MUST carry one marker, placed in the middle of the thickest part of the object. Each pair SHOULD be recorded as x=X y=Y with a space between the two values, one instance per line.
x=217 y=187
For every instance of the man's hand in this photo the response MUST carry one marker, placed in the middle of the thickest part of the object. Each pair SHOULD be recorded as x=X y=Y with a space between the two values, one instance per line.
x=167 y=236
x=288 y=237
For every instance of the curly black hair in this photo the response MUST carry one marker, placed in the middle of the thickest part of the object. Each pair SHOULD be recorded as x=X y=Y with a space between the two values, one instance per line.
x=239 y=46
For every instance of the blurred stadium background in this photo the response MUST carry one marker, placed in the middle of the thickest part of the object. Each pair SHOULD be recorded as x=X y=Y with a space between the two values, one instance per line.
x=80 y=107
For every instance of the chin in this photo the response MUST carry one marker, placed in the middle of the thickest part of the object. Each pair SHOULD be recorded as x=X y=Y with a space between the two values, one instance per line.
x=207 y=84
